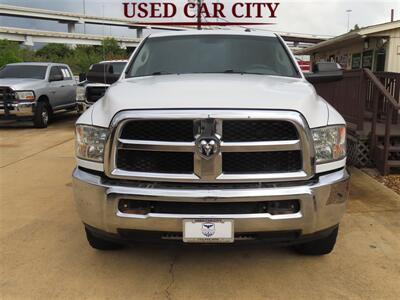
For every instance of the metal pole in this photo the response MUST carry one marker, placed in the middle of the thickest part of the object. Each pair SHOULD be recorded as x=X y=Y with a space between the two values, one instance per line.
x=84 y=13
x=198 y=14
x=348 y=19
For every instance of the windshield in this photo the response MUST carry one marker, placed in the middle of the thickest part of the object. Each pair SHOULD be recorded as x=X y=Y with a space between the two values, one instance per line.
x=23 y=71
x=212 y=54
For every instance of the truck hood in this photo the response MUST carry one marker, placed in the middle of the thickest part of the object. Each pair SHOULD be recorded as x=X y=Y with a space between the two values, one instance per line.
x=212 y=91
x=19 y=84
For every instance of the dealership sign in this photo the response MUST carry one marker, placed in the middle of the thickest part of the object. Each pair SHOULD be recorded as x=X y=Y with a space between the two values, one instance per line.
x=213 y=12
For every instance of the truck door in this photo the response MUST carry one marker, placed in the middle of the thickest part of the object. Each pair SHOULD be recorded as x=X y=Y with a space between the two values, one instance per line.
x=69 y=86
x=56 y=84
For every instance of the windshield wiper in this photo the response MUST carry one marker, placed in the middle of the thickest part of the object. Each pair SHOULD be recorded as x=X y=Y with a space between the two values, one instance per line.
x=160 y=73
x=231 y=71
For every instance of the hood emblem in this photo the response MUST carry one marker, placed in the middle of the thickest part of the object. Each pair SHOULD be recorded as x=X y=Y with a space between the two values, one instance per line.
x=208 y=147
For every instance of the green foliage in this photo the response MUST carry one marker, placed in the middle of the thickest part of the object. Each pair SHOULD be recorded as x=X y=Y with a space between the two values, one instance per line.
x=78 y=58
x=53 y=52
x=10 y=52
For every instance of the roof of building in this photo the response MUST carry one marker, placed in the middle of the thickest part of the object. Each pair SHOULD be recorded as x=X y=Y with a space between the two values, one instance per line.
x=351 y=36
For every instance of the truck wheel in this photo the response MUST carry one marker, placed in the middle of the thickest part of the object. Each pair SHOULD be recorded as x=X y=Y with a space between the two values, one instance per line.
x=101 y=244
x=41 y=117
x=319 y=247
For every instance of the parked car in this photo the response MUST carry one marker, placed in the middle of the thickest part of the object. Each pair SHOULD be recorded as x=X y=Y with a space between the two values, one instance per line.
x=213 y=137
x=89 y=92
x=36 y=91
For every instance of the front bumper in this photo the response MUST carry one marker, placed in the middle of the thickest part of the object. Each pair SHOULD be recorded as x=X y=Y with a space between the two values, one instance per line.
x=322 y=204
x=17 y=109
x=83 y=105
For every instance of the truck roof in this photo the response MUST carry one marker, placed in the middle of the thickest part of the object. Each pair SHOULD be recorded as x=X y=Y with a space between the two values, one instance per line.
x=214 y=32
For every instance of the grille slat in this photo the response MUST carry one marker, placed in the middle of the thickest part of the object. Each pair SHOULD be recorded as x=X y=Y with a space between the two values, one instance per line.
x=258 y=130
x=261 y=162
x=155 y=162
x=159 y=130
x=272 y=207
x=6 y=94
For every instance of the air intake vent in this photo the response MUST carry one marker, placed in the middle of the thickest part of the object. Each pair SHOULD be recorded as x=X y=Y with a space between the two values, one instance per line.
x=259 y=130
x=159 y=130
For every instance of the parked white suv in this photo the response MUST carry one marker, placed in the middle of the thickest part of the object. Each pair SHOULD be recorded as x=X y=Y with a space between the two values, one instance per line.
x=212 y=137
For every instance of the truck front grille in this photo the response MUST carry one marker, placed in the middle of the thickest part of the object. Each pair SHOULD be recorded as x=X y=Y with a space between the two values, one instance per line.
x=261 y=162
x=6 y=94
x=166 y=207
x=155 y=162
x=247 y=146
x=94 y=93
x=254 y=131
x=159 y=130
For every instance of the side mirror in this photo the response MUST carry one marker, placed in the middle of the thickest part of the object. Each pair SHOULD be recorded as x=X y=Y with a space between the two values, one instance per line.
x=82 y=77
x=102 y=74
x=325 y=72
x=57 y=77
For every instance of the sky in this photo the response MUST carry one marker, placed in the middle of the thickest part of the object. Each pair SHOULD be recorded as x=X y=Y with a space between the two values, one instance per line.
x=327 y=17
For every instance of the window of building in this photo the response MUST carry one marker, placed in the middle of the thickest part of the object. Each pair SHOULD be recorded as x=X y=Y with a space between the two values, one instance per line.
x=356 y=61
x=367 y=59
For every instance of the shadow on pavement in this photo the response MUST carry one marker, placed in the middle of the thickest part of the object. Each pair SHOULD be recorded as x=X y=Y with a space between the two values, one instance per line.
x=60 y=119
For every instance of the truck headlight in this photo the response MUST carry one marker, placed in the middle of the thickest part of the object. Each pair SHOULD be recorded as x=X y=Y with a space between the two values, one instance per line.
x=80 y=93
x=25 y=95
x=329 y=143
x=90 y=142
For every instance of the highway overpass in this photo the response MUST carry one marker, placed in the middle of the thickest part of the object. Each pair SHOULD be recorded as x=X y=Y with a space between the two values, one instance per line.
x=29 y=37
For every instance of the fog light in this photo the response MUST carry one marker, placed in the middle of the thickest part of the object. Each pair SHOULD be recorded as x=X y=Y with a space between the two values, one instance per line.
x=284 y=207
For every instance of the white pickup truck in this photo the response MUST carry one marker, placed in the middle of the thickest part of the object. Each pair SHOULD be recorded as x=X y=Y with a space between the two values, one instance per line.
x=212 y=137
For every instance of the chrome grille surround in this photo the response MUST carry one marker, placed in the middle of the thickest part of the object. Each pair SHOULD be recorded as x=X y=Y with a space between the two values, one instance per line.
x=210 y=170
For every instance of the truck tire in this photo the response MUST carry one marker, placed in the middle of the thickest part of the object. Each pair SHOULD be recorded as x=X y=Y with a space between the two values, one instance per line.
x=41 y=117
x=99 y=243
x=319 y=247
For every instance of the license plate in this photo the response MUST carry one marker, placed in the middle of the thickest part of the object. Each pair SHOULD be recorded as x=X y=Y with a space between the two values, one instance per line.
x=208 y=231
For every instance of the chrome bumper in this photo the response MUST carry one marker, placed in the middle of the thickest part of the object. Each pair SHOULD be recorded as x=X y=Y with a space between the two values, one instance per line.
x=322 y=205
x=17 y=109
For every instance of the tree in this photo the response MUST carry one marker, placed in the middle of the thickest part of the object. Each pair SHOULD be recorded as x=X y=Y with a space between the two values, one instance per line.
x=11 y=52
x=79 y=58
x=83 y=57
x=112 y=50
x=54 y=52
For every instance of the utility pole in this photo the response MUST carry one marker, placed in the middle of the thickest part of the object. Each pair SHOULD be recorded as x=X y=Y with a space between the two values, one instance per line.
x=84 y=13
x=199 y=14
x=348 y=11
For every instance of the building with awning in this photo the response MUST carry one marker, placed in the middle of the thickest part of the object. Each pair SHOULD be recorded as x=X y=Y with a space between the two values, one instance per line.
x=375 y=47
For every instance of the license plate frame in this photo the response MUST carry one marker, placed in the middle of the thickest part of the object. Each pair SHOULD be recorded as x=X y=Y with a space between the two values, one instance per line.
x=208 y=231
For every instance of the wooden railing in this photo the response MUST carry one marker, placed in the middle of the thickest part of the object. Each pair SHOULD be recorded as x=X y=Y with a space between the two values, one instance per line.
x=363 y=96
x=347 y=96
x=385 y=108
